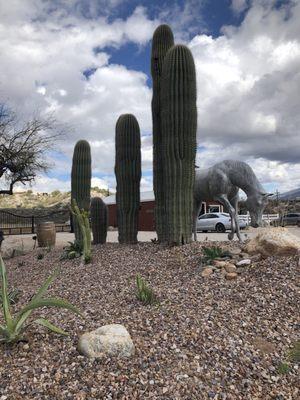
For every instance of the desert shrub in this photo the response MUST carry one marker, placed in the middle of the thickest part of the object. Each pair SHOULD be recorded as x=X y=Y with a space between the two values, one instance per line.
x=283 y=368
x=144 y=293
x=73 y=250
x=213 y=252
x=294 y=353
x=55 y=193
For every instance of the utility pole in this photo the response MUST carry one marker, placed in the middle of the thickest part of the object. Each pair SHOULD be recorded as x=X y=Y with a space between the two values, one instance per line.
x=277 y=197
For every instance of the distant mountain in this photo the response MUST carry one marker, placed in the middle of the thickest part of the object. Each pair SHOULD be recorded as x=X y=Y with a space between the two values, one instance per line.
x=290 y=195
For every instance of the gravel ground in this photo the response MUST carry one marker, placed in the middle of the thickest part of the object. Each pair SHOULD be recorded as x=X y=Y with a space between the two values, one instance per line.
x=207 y=339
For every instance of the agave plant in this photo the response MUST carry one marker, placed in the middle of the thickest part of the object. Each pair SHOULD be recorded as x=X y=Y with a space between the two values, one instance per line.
x=13 y=296
x=14 y=327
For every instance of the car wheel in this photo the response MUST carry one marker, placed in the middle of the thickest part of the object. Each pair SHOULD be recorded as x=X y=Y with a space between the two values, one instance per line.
x=220 y=228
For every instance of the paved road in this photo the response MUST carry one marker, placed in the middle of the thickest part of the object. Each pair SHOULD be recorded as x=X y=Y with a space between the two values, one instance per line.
x=62 y=239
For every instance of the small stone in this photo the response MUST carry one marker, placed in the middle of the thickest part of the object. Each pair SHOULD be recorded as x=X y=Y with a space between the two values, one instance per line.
x=108 y=340
x=244 y=255
x=165 y=389
x=230 y=268
x=235 y=251
x=231 y=276
x=26 y=346
x=219 y=264
x=206 y=272
x=256 y=258
x=244 y=263
x=151 y=382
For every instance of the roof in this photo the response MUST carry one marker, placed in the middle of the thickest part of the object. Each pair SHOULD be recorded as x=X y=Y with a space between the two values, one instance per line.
x=144 y=197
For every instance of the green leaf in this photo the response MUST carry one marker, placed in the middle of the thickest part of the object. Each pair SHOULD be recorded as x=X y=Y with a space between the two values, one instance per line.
x=46 y=285
x=20 y=321
x=49 y=302
x=5 y=298
x=44 y=322
x=2 y=330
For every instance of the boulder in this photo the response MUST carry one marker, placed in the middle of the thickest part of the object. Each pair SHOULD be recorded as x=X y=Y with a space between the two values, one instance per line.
x=109 y=340
x=274 y=242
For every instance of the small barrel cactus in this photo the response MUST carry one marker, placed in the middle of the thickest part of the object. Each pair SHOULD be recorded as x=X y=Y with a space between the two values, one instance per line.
x=81 y=180
x=179 y=126
x=128 y=176
x=162 y=41
x=98 y=213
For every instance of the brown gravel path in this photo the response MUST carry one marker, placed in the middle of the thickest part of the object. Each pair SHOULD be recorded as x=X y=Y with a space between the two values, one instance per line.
x=208 y=339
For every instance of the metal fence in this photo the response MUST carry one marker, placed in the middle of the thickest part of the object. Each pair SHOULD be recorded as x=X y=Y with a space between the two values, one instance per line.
x=15 y=224
x=268 y=218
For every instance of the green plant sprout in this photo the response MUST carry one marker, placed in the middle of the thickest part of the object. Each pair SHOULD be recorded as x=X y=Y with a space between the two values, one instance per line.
x=14 y=327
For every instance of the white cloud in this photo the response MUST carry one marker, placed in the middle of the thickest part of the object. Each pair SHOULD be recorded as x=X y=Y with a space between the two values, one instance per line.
x=239 y=6
x=248 y=80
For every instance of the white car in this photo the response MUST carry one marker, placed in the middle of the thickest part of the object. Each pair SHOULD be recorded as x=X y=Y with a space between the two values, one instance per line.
x=218 y=222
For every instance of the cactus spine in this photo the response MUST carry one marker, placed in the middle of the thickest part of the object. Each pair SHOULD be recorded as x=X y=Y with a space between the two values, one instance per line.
x=81 y=181
x=128 y=176
x=99 y=220
x=162 y=41
x=179 y=126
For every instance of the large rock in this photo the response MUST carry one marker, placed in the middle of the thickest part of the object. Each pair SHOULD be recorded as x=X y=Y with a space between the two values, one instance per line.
x=274 y=242
x=108 y=340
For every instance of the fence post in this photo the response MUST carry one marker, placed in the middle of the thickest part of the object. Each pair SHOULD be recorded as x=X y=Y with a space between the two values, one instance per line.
x=32 y=224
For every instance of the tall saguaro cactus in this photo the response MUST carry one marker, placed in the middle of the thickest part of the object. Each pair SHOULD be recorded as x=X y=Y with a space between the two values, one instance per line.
x=179 y=126
x=162 y=41
x=99 y=220
x=81 y=180
x=128 y=176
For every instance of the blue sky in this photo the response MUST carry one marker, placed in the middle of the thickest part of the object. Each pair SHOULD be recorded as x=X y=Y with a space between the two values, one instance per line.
x=88 y=61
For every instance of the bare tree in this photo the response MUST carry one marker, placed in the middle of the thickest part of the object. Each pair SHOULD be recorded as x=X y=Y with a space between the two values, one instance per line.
x=23 y=148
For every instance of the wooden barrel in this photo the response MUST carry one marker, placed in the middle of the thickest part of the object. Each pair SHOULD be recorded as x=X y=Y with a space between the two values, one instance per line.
x=46 y=234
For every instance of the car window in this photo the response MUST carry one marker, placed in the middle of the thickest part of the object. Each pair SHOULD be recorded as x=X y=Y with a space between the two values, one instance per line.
x=204 y=216
x=213 y=216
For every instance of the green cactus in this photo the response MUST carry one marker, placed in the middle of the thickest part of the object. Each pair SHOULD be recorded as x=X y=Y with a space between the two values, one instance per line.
x=81 y=181
x=128 y=176
x=98 y=213
x=82 y=219
x=162 y=41
x=179 y=126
